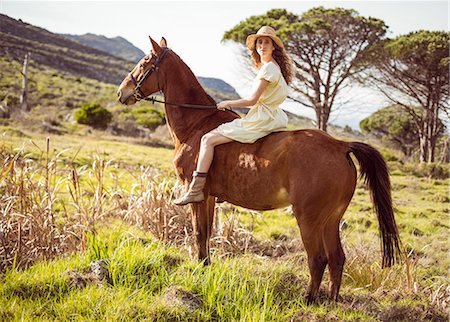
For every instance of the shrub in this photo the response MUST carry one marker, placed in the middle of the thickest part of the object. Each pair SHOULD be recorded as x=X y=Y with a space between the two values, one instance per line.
x=150 y=123
x=431 y=170
x=421 y=170
x=94 y=115
x=148 y=117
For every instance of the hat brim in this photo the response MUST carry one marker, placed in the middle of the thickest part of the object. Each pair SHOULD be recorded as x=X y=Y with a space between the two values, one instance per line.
x=250 y=42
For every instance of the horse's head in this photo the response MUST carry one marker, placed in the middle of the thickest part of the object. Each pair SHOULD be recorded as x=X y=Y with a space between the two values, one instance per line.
x=145 y=77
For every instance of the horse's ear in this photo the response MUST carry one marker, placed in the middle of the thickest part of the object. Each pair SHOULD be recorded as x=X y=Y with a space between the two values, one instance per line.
x=156 y=48
x=163 y=42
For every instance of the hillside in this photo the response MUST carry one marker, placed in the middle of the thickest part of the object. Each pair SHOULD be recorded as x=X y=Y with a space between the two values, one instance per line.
x=48 y=49
x=79 y=58
x=218 y=89
x=116 y=46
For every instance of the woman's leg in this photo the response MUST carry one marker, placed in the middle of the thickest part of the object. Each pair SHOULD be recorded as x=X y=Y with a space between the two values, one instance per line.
x=206 y=154
x=209 y=141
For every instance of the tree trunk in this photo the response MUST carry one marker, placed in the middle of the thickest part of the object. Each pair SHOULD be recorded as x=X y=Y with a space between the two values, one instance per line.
x=23 y=97
x=322 y=118
x=423 y=152
x=432 y=133
x=431 y=149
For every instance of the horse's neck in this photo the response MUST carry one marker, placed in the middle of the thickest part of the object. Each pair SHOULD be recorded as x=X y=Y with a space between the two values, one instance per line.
x=183 y=87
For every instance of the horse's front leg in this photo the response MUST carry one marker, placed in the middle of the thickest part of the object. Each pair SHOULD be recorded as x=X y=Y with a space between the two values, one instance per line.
x=202 y=221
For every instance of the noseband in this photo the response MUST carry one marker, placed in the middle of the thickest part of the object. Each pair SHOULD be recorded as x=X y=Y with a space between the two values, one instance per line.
x=137 y=93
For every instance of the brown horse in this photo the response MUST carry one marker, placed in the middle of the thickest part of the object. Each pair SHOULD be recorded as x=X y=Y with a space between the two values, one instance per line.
x=307 y=169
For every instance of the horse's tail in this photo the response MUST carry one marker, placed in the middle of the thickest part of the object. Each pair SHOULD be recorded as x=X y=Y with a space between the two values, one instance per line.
x=375 y=173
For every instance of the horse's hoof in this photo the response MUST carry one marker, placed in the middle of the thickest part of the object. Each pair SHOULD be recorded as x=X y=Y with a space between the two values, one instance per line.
x=334 y=298
x=309 y=299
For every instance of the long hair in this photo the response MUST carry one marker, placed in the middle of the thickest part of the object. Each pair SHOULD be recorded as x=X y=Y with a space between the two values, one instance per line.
x=281 y=57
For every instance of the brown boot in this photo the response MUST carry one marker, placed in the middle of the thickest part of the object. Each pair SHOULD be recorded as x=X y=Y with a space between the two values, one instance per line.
x=195 y=192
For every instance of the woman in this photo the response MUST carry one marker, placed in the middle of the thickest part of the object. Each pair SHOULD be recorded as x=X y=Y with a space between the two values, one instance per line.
x=265 y=116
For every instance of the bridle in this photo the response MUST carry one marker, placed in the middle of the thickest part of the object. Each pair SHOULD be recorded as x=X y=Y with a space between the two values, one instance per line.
x=139 y=95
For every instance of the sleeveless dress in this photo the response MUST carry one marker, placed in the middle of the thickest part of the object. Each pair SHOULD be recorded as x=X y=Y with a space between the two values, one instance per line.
x=265 y=116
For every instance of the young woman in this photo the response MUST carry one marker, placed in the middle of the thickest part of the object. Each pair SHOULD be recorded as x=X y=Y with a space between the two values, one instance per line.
x=265 y=116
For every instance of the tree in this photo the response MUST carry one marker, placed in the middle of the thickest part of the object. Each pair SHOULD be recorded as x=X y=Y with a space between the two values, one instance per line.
x=394 y=125
x=413 y=71
x=328 y=47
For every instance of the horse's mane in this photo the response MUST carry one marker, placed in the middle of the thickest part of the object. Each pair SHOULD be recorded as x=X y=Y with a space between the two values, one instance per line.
x=197 y=84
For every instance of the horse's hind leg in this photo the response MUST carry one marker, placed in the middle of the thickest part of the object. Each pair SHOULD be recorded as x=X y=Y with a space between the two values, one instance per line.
x=335 y=255
x=311 y=234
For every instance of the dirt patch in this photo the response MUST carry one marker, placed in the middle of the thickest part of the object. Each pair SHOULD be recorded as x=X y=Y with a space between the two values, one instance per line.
x=177 y=297
x=417 y=313
x=171 y=261
x=79 y=279
x=97 y=273
x=305 y=316
x=290 y=286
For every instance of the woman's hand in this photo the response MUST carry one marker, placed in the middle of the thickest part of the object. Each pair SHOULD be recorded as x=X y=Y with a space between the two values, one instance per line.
x=224 y=105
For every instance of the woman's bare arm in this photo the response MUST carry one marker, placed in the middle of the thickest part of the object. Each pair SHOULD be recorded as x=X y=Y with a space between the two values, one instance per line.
x=248 y=101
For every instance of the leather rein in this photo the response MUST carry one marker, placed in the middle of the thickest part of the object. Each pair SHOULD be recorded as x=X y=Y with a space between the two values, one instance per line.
x=139 y=95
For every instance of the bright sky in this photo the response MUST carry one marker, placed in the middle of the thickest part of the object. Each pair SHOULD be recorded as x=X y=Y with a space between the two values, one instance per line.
x=194 y=30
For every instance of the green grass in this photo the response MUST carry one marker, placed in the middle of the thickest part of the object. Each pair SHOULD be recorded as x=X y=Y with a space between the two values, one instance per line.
x=153 y=281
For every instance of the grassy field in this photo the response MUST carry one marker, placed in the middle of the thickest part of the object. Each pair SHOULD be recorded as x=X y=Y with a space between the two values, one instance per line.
x=88 y=233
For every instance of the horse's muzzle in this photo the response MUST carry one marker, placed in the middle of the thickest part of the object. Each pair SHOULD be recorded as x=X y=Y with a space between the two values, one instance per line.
x=126 y=99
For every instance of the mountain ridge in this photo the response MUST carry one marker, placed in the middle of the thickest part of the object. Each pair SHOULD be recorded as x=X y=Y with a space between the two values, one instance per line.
x=116 y=46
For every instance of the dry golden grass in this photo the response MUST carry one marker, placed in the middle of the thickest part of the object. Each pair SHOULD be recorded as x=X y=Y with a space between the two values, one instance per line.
x=49 y=206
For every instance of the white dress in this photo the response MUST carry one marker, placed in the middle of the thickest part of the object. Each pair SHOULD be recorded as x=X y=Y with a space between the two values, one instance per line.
x=265 y=116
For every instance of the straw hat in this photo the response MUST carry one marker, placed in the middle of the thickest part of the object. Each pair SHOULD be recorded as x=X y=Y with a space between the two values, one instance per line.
x=264 y=31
